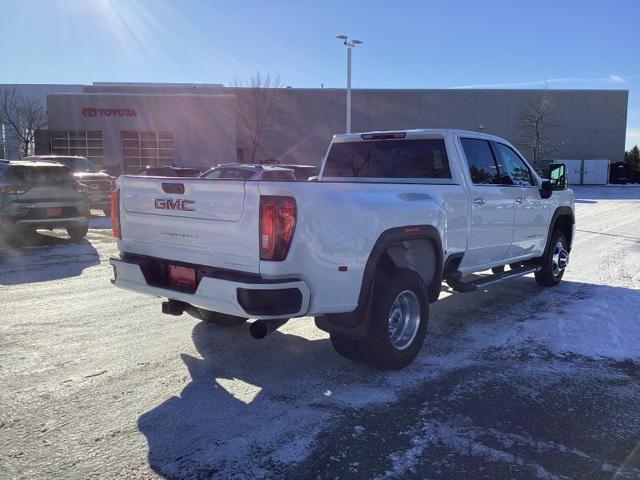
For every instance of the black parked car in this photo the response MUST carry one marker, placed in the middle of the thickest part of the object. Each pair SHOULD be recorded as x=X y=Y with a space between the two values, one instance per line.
x=618 y=173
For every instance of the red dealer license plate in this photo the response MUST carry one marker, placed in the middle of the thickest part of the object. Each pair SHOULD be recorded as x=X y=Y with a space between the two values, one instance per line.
x=184 y=277
x=53 y=212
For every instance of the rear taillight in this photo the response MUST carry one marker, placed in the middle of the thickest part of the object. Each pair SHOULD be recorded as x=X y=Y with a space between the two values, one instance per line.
x=277 y=223
x=81 y=188
x=14 y=189
x=114 y=199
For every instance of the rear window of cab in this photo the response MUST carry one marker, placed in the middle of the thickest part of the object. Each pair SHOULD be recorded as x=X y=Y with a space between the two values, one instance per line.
x=416 y=159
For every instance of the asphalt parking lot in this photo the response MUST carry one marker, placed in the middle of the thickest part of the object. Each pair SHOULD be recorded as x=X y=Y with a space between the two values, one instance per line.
x=514 y=381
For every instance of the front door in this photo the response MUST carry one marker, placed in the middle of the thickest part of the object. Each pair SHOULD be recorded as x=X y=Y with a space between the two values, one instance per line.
x=532 y=211
x=492 y=207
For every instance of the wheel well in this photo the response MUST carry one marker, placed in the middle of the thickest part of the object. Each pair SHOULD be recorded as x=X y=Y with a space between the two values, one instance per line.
x=564 y=223
x=408 y=247
x=418 y=255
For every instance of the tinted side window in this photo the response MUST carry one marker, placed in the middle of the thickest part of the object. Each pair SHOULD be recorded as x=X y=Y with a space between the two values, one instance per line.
x=482 y=164
x=513 y=166
x=389 y=159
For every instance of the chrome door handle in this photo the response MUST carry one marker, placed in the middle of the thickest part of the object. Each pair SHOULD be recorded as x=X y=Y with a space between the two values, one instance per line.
x=521 y=200
x=479 y=201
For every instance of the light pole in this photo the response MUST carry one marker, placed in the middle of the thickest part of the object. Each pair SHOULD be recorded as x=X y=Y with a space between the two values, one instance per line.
x=349 y=44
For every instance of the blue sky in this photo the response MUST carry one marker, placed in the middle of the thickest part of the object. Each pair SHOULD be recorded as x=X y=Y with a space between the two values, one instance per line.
x=568 y=44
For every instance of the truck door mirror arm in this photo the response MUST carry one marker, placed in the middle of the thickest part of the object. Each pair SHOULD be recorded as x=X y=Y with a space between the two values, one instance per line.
x=545 y=189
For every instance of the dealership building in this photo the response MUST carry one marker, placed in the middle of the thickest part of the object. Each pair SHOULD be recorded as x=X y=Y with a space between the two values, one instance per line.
x=125 y=126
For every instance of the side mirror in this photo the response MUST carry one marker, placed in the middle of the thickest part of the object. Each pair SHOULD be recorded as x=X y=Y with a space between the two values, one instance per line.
x=558 y=176
x=557 y=180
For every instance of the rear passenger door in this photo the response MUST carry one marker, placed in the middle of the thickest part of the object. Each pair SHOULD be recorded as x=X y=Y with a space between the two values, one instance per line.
x=492 y=207
x=532 y=211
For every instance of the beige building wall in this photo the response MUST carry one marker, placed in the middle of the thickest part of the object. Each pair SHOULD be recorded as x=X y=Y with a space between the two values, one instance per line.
x=591 y=123
x=203 y=118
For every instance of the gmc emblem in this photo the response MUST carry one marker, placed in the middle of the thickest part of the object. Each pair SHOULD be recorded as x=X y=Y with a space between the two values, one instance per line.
x=169 y=204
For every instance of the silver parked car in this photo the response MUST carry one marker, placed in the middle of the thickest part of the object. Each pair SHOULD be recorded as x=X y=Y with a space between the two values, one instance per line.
x=41 y=195
x=249 y=171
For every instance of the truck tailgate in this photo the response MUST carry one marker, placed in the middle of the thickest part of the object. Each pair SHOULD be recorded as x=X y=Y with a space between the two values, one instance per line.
x=205 y=222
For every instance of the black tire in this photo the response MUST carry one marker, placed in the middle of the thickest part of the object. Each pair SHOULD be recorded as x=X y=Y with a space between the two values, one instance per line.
x=346 y=347
x=221 y=319
x=377 y=348
x=78 y=232
x=107 y=211
x=546 y=276
x=497 y=270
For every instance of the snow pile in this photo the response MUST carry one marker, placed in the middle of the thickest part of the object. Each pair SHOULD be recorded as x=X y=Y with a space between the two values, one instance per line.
x=596 y=321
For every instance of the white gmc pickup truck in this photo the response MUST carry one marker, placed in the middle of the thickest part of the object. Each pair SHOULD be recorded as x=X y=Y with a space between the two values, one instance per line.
x=364 y=249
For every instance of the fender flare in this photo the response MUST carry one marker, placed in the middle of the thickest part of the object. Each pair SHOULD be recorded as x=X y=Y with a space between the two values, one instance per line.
x=563 y=211
x=354 y=324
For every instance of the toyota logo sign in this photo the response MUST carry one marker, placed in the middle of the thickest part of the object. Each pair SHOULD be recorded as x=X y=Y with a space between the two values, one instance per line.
x=108 y=112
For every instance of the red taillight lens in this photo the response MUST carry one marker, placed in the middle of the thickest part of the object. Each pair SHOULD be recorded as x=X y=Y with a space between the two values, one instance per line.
x=14 y=189
x=267 y=228
x=81 y=188
x=277 y=224
x=114 y=198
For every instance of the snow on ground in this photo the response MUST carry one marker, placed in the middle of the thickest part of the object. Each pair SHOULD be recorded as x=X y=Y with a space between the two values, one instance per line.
x=98 y=383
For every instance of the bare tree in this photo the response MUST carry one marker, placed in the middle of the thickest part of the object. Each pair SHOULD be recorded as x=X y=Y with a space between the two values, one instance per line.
x=258 y=99
x=25 y=114
x=536 y=122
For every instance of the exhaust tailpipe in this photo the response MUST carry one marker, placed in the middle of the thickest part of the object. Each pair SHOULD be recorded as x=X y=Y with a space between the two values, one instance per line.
x=174 y=307
x=261 y=328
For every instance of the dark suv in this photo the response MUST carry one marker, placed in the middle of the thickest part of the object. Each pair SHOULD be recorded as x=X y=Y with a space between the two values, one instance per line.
x=41 y=195
x=97 y=181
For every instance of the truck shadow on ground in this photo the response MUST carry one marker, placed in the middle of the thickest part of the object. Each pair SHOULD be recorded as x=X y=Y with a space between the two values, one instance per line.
x=42 y=257
x=243 y=393
x=238 y=390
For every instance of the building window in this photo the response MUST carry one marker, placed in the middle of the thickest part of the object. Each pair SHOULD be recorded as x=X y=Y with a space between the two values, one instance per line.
x=81 y=143
x=140 y=149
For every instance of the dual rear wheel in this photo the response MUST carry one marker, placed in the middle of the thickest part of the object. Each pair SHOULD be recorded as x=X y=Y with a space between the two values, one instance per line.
x=400 y=311
x=397 y=327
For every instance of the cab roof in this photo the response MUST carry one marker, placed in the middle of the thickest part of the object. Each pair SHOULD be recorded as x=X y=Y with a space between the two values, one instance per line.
x=408 y=134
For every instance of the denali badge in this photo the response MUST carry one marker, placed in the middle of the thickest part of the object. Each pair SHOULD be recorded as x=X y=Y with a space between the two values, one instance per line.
x=169 y=204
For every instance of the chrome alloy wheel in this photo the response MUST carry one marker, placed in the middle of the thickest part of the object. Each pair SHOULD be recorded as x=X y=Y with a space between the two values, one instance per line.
x=404 y=319
x=559 y=259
